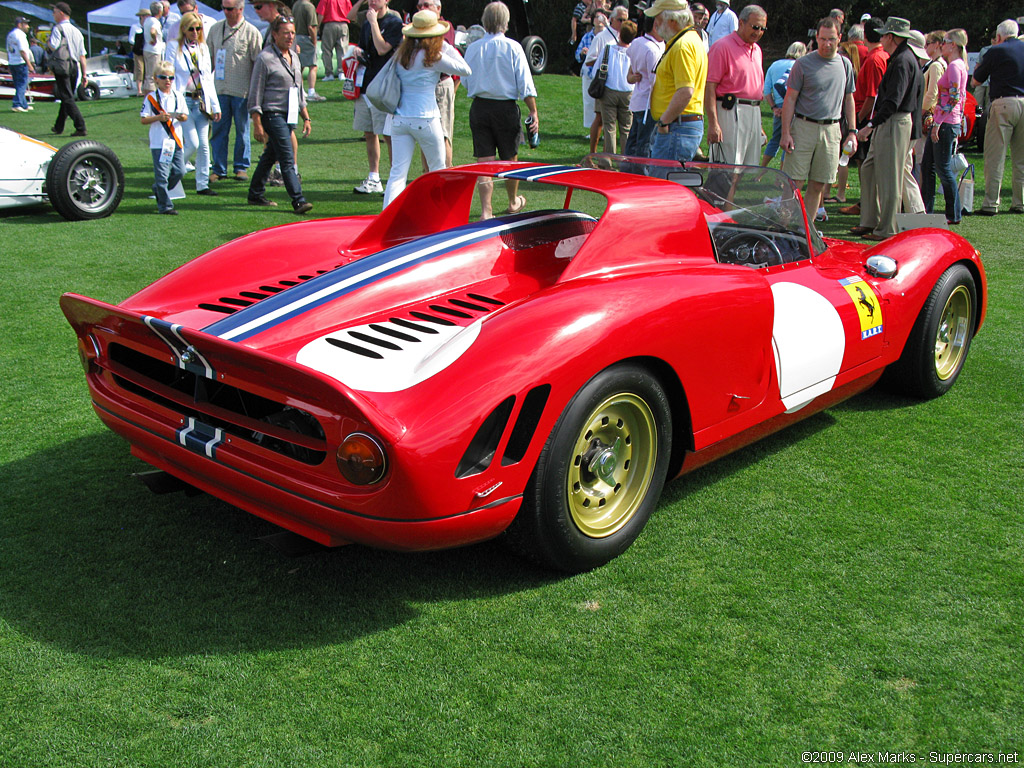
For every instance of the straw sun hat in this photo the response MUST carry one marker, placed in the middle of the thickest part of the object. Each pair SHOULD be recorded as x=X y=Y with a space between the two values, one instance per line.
x=425 y=24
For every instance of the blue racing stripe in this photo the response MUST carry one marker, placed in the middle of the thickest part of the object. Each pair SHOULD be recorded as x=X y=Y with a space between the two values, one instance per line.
x=322 y=289
x=539 y=172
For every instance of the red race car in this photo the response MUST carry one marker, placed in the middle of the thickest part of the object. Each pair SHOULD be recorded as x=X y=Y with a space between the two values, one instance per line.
x=417 y=380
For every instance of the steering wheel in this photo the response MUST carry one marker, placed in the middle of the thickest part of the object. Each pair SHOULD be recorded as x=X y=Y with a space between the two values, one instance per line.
x=751 y=249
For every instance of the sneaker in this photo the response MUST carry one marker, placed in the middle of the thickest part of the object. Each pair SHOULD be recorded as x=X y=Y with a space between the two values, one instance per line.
x=189 y=167
x=821 y=215
x=18 y=109
x=29 y=108
x=275 y=179
x=328 y=78
x=369 y=187
x=303 y=208
x=206 y=191
x=314 y=96
x=215 y=177
x=169 y=212
x=262 y=202
x=82 y=132
x=241 y=176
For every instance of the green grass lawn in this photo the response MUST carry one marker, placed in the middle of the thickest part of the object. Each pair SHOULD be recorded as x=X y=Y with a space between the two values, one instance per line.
x=853 y=583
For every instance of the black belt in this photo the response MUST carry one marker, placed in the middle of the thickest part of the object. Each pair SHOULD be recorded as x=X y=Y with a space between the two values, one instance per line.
x=751 y=102
x=684 y=119
x=819 y=122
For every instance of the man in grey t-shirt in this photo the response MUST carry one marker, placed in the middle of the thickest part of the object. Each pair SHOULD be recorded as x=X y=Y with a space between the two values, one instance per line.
x=818 y=94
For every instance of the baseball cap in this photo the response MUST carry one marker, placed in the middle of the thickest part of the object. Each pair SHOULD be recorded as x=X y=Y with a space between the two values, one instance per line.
x=63 y=8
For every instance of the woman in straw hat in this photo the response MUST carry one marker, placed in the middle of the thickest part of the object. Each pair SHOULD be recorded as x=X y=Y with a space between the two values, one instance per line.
x=422 y=57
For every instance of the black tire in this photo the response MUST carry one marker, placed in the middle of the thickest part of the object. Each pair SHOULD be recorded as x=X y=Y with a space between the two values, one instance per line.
x=85 y=181
x=89 y=92
x=940 y=339
x=536 y=54
x=600 y=475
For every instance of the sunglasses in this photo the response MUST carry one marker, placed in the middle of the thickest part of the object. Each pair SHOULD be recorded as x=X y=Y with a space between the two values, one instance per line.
x=758 y=28
x=192 y=29
x=165 y=77
x=257 y=6
x=947 y=40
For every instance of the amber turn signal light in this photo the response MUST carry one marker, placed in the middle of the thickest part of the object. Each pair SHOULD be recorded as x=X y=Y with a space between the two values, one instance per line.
x=361 y=459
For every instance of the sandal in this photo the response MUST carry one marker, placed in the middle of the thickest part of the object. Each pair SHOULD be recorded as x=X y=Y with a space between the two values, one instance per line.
x=833 y=199
x=520 y=203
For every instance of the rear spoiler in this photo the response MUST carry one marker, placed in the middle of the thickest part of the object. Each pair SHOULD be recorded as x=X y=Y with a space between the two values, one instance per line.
x=99 y=325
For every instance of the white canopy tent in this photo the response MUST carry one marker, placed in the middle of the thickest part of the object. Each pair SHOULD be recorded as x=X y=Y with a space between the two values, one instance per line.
x=123 y=13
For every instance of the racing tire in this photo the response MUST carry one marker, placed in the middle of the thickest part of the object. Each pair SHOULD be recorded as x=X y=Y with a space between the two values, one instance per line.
x=536 y=54
x=89 y=92
x=940 y=339
x=85 y=180
x=600 y=474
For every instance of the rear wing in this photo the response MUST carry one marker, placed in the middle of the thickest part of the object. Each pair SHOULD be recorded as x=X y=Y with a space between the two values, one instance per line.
x=196 y=374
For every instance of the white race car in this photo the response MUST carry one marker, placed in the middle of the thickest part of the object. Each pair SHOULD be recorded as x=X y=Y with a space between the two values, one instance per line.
x=82 y=180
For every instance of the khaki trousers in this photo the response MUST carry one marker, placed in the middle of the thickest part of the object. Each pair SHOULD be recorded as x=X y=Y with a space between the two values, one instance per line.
x=1005 y=130
x=741 y=135
x=881 y=174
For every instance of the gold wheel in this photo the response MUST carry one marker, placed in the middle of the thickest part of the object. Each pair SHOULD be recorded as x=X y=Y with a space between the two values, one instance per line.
x=613 y=461
x=953 y=332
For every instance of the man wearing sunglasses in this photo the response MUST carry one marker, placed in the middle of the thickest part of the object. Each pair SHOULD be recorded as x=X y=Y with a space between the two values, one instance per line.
x=234 y=46
x=732 y=95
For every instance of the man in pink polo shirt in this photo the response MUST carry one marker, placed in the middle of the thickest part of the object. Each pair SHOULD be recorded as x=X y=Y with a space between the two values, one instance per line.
x=732 y=95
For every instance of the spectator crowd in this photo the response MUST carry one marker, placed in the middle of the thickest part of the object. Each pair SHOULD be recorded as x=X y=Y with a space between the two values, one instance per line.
x=877 y=98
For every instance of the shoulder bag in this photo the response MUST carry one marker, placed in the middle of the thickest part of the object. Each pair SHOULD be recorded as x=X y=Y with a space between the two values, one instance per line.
x=385 y=90
x=60 y=59
x=597 y=85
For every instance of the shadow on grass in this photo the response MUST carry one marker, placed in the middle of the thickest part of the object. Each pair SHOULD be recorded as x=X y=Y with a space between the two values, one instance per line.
x=95 y=564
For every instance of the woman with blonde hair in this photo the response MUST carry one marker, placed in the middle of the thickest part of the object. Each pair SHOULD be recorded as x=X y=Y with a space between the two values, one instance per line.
x=422 y=57
x=946 y=124
x=193 y=76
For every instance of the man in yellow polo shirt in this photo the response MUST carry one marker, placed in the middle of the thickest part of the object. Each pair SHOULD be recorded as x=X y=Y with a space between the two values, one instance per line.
x=677 y=99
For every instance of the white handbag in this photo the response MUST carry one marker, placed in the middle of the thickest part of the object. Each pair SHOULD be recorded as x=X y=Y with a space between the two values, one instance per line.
x=966 y=187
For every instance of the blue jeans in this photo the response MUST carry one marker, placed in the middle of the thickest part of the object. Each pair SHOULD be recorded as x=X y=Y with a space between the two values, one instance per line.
x=772 y=147
x=233 y=108
x=19 y=74
x=942 y=159
x=638 y=143
x=166 y=175
x=679 y=143
x=278 y=149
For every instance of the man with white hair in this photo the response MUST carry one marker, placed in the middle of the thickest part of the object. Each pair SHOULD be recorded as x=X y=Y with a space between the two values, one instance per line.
x=732 y=95
x=500 y=79
x=1003 y=67
x=723 y=22
x=677 y=98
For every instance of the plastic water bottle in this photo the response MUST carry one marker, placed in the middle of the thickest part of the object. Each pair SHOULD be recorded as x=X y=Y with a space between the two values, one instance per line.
x=844 y=158
x=533 y=135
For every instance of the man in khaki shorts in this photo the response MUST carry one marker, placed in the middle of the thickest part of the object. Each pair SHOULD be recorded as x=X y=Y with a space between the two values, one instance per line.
x=819 y=92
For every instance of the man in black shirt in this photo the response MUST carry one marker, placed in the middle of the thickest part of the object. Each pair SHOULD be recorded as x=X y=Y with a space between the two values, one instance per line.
x=380 y=35
x=1003 y=66
x=896 y=123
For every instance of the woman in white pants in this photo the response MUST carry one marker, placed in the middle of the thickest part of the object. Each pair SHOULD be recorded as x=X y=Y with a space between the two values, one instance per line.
x=193 y=76
x=422 y=57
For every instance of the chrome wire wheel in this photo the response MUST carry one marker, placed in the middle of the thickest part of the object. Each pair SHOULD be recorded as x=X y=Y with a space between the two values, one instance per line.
x=613 y=462
x=953 y=333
